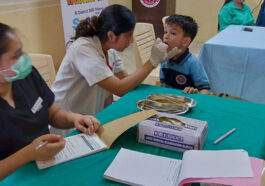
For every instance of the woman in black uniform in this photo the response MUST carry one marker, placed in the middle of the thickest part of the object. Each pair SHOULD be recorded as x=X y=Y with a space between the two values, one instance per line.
x=27 y=107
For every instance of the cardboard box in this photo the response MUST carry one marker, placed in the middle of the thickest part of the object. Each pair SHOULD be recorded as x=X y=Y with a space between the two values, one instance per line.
x=187 y=134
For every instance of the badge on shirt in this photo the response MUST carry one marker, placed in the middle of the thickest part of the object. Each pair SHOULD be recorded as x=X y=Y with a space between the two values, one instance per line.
x=37 y=105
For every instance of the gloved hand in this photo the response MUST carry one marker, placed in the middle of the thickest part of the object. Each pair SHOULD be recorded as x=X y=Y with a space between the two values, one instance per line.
x=159 y=52
x=173 y=52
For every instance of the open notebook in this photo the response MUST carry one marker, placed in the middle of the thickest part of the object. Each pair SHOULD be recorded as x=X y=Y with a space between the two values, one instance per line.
x=224 y=167
x=82 y=145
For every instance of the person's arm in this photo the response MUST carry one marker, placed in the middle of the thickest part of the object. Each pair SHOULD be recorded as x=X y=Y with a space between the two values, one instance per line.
x=117 y=66
x=13 y=162
x=29 y=153
x=224 y=18
x=199 y=76
x=62 y=119
x=122 y=74
x=250 y=20
x=121 y=86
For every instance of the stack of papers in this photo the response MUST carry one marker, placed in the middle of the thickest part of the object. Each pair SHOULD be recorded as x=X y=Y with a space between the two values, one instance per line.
x=226 y=166
x=82 y=145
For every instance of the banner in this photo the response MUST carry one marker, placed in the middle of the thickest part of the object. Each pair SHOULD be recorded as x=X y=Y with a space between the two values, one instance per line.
x=75 y=10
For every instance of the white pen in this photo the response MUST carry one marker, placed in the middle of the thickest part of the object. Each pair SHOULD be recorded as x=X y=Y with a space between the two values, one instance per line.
x=224 y=136
x=42 y=145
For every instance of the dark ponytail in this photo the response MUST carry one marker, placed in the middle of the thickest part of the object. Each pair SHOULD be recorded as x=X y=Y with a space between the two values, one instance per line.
x=115 y=18
x=86 y=28
x=4 y=39
x=226 y=1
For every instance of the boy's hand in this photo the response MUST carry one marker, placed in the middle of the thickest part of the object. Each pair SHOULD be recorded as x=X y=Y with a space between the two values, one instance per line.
x=190 y=90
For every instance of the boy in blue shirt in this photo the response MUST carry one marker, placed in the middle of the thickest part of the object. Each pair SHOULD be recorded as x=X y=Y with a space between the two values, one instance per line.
x=184 y=71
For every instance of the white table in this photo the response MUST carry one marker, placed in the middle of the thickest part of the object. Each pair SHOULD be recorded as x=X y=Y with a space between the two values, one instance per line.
x=234 y=61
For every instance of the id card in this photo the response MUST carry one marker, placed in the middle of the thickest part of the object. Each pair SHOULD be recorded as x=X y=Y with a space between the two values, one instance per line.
x=37 y=105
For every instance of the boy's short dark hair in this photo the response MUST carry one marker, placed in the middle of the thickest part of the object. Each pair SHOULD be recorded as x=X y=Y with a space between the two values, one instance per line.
x=187 y=23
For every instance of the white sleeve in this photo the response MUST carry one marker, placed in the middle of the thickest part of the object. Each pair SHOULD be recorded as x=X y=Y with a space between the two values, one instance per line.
x=115 y=61
x=91 y=65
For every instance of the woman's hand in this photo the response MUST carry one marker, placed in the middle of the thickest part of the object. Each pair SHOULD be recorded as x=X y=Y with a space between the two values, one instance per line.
x=85 y=123
x=31 y=153
x=55 y=144
x=159 y=52
x=63 y=119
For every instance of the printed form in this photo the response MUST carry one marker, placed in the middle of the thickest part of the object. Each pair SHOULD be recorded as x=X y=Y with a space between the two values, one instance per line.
x=76 y=146
x=82 y=145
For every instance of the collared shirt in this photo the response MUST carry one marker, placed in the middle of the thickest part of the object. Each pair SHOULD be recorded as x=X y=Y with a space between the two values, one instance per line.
x=230 y=14
x=29 y=119
x=186 y=71
x=83 y=66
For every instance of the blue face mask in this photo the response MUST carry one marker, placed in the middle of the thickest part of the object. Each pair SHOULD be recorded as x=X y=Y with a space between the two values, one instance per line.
x=22 y=67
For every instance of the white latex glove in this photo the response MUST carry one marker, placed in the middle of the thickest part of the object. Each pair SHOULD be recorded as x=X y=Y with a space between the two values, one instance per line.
x=159 y=52
x=173 y=52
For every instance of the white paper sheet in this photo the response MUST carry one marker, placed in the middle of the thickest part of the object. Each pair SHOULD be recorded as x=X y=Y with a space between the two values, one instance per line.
x=136 y=168
x=215 y=164
x=76 y=146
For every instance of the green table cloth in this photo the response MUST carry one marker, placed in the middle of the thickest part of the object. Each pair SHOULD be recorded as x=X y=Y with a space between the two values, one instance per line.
x=222 y=115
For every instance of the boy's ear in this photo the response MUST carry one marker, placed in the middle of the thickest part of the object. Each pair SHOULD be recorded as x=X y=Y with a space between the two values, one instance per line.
x=186 y=41
x=111 y=36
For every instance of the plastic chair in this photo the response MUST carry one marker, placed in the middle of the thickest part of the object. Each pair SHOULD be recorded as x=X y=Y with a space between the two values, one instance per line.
x=44 y=64
x=164 y=20
x=144 y=38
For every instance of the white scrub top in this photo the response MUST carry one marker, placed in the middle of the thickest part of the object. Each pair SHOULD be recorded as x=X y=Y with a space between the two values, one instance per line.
x=83 y=66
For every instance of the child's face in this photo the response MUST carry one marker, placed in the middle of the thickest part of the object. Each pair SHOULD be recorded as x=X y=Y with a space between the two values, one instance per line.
x=174 y=36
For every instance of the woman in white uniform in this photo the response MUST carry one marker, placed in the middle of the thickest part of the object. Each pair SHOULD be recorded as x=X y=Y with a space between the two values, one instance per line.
x=91 y=70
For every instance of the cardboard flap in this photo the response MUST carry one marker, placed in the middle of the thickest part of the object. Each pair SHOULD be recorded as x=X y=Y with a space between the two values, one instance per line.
x=109 y=132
